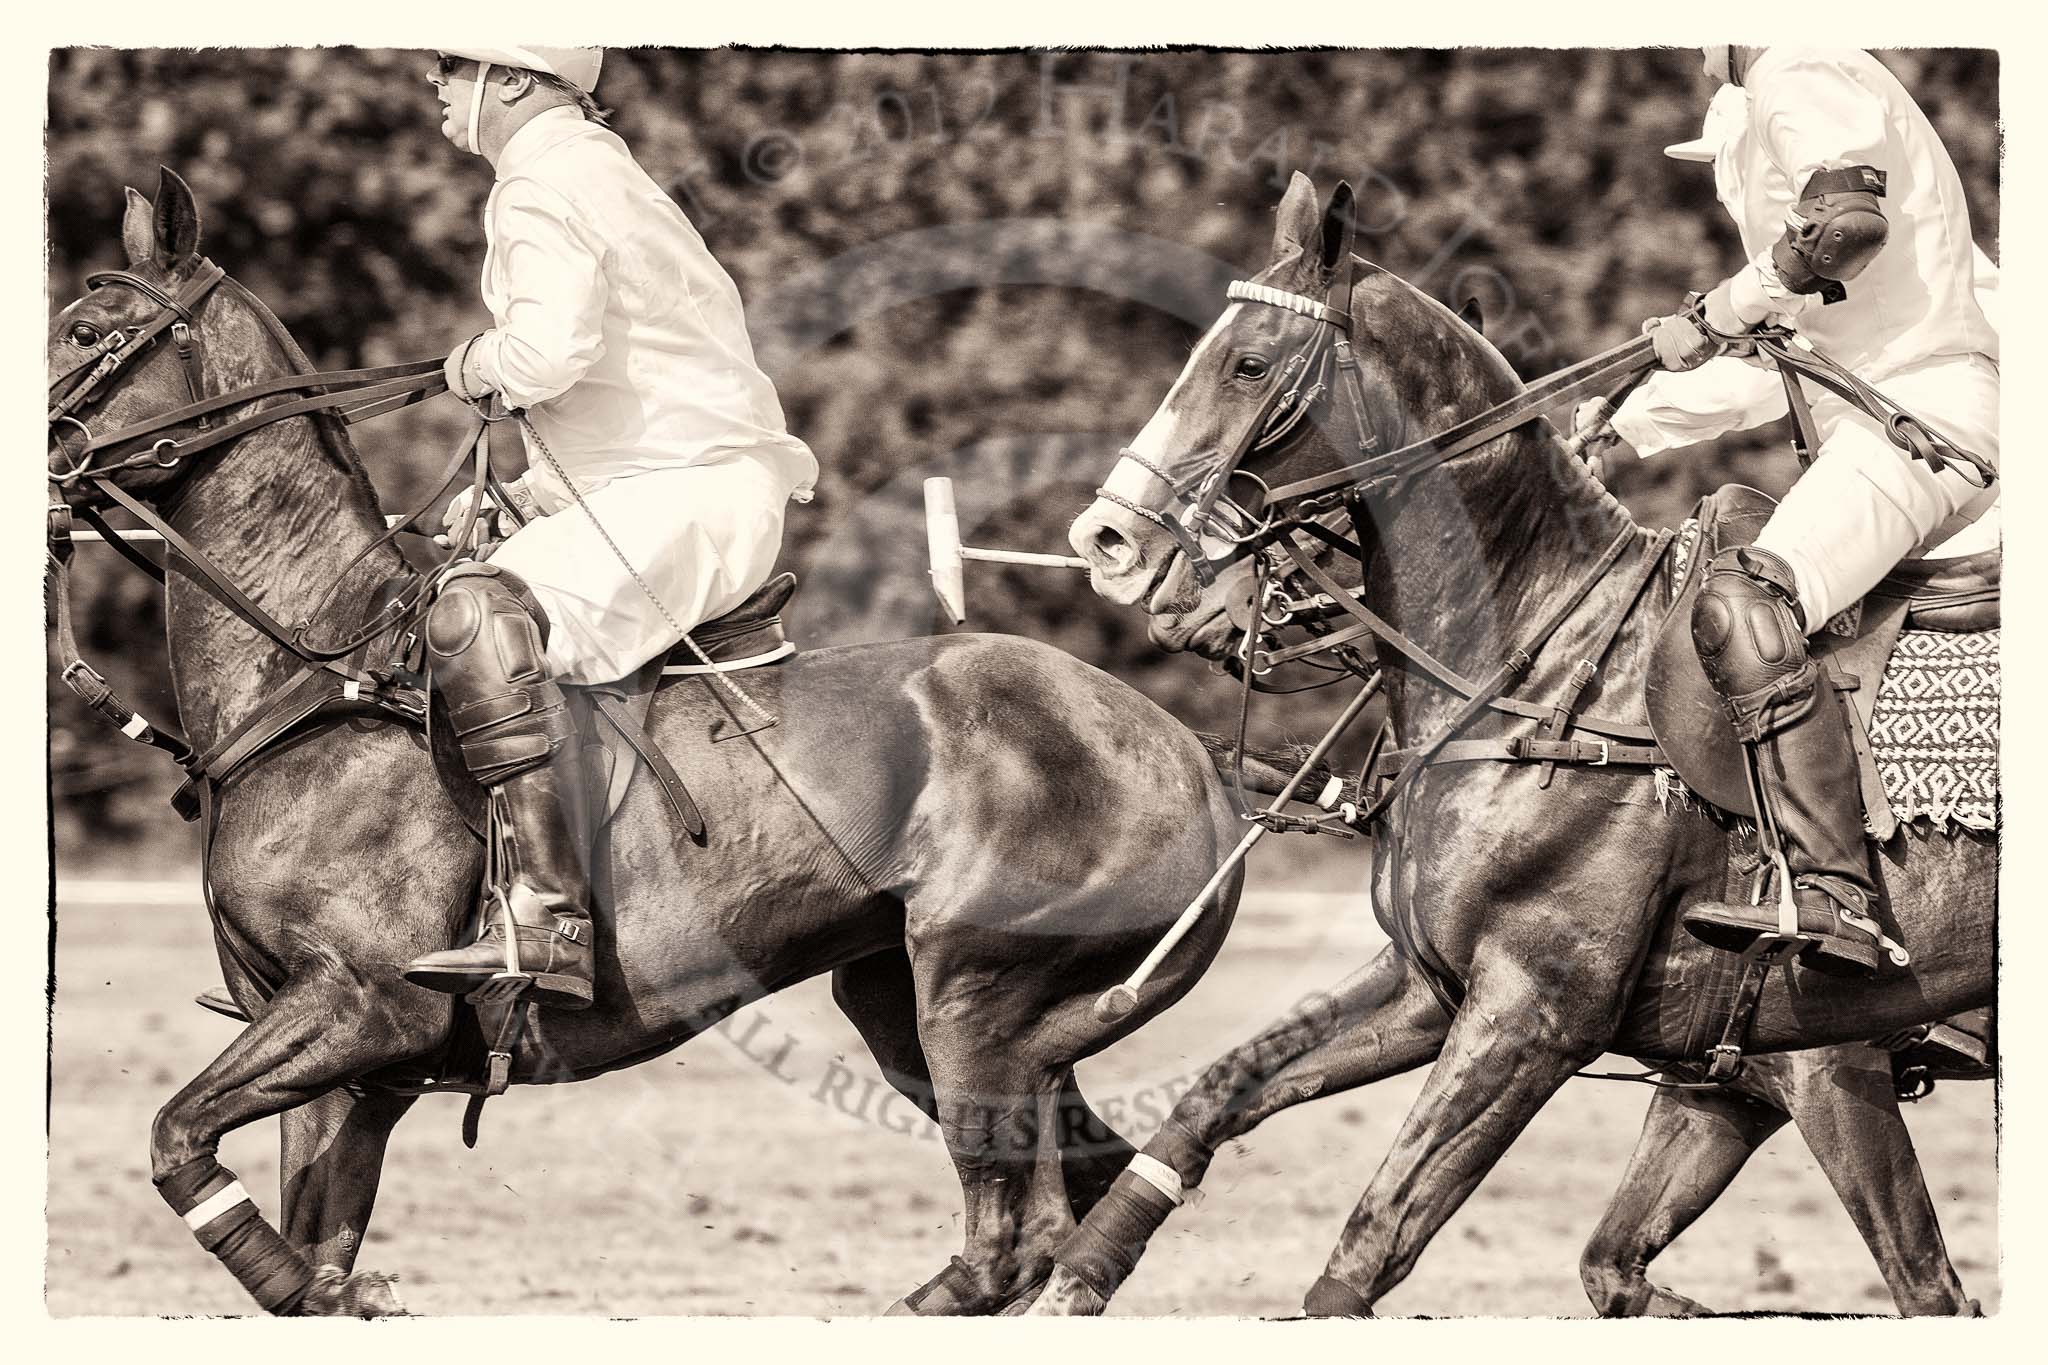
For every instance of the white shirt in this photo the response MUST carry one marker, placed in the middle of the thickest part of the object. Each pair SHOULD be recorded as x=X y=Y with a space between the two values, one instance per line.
x=1922 y=297
x=616 y=330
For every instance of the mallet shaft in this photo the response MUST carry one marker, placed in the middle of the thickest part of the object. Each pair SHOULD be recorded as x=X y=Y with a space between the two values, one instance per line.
x=1023 y=557
x=1118 y=1001
x=149 y=537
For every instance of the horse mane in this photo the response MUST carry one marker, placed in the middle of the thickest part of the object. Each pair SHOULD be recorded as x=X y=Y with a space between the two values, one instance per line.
x=333 y=432
x=1544 y=434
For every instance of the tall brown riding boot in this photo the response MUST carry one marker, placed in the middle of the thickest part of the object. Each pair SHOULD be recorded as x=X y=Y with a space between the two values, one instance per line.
x=485 y=637
x=1752 y=640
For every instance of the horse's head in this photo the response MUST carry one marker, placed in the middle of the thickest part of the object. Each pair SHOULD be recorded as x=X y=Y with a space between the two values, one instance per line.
x=128 y=350
x=1317 y=362
x=1206 y=445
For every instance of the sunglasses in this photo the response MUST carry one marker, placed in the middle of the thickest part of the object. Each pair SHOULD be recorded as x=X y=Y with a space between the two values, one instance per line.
x=448 y=68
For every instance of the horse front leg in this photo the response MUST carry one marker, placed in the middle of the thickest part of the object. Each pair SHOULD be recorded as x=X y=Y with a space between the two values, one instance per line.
x=1381 y=1021
x=333 y=1159
x=1693 y=1144
x=1846 y=1107
x=1514 y=1042
x=325 y=1027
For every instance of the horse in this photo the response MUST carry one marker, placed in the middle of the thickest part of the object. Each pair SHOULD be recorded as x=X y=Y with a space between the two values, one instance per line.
x=974 y=834
x=1533 y=911
x=1843 y=1100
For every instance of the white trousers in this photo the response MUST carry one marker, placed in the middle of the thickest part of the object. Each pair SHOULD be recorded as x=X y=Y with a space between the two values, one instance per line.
x=1865 y=504
x=701 y=536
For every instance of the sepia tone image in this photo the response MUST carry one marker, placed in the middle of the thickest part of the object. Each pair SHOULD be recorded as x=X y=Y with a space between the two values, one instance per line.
x=1330 y=682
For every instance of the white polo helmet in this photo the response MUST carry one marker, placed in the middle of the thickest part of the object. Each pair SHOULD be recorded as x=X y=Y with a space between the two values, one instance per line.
x=579 y=66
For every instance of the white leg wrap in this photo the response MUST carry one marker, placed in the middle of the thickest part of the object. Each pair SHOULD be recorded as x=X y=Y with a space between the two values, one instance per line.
x=213 y=1206
x=1159 y=1176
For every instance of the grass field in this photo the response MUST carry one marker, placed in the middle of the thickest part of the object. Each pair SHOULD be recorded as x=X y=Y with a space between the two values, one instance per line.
x=707 y=1182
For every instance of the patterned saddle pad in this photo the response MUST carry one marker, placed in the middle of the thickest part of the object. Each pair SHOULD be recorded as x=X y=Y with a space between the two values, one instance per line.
x=1934 y=729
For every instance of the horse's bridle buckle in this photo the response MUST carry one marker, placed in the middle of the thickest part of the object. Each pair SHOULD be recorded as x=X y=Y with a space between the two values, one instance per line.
x=157 y=457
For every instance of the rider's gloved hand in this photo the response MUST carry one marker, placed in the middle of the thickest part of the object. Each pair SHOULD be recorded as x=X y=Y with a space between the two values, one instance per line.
x=1679 y=342
x=458 y=508
x=463 y=379
x=1598 y=441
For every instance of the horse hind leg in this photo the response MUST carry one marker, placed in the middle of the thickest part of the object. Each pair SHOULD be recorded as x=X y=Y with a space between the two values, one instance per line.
x=878 y=994
x=1693 y=1144
x=333 y=1159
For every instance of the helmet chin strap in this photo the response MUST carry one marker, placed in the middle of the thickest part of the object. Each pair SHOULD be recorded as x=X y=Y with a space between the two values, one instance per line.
x=476 y=105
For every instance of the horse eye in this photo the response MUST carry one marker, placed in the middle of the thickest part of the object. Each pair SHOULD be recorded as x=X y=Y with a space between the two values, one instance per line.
x=84 y=334
x=1253 y=367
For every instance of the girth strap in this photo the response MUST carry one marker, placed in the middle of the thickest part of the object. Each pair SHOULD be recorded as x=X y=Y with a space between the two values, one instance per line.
x=1593 y=753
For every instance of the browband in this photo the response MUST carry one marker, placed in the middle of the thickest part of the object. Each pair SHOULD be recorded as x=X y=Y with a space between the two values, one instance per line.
x=1293 y=303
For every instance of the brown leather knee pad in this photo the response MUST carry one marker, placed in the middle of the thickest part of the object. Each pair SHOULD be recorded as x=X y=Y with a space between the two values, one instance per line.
x=487 y=642
x=1747 y=627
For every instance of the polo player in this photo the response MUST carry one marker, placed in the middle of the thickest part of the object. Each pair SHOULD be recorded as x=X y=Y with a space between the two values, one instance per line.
x=658 y=471
x=1853 y=220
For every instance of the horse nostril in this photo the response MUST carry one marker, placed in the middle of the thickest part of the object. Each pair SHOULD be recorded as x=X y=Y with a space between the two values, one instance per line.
x=1111 y=547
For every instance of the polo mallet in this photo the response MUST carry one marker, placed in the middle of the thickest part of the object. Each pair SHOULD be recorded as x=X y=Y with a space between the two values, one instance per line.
x=942 y=535
x=1119 y=1000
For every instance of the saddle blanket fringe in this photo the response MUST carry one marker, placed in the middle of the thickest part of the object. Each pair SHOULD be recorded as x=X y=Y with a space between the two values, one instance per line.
x=1934 y=729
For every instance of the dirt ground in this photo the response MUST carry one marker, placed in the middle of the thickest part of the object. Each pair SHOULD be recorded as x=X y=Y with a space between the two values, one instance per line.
x=765 y=1169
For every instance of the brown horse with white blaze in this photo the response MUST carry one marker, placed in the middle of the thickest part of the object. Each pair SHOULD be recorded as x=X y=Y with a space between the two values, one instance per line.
x=975 y=834
x=1552 y=908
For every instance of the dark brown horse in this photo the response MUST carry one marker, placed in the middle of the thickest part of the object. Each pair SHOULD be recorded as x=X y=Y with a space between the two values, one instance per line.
x=1843 y=1100
x=975 y=834
x=1551 y=908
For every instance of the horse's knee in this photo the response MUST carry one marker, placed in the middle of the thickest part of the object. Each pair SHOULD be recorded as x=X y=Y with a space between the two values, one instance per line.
x=175 y=1141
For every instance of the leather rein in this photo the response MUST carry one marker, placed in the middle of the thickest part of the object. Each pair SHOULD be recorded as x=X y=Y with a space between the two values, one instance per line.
x=168 y=439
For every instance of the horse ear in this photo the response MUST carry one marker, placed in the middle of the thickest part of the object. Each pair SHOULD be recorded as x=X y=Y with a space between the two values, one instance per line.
x=138 y=229
x=1296 y=221
x=177 y=220
x=1340 y=224
x=1468 y=313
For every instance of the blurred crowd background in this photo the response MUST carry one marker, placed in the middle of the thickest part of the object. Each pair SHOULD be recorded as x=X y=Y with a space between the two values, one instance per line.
x=988 y=266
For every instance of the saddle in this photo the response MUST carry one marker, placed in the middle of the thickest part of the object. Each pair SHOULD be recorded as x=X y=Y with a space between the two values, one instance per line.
x=612 y=717
x=1948 y=596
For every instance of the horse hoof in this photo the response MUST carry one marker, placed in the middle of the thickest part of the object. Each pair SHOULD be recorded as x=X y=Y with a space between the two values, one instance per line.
x=338 y=1294
x=1328 y=1298
x=1065 y=1296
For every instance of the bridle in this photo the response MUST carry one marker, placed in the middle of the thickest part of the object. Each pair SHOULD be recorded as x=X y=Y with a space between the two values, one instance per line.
x=352 y=395
x=84 y=382
x=1281 y=417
